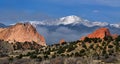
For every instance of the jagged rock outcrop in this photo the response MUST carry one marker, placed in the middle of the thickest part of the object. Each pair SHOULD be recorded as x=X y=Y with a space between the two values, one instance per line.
x=99 y=33
x=21 y=32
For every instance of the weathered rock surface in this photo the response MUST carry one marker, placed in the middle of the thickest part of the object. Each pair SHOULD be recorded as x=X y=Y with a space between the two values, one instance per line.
x=21 y=32
x=99 y=33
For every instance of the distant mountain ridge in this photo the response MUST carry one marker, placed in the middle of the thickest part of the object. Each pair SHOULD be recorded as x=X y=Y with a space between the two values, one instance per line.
x=73 y=20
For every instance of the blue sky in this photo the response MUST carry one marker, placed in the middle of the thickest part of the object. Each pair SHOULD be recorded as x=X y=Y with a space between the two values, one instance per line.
x=12 y=11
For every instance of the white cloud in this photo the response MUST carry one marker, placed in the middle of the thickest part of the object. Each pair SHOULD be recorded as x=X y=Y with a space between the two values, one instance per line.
x=58 y=34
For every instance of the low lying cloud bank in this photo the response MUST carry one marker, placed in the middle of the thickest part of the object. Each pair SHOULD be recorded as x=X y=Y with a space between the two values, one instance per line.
x=60 y=33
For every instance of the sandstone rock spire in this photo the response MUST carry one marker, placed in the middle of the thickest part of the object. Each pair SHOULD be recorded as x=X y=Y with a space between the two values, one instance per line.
x=22 y=32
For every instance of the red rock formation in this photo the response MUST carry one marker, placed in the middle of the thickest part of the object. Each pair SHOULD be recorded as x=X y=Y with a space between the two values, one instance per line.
x=99 y=33
x=21 y=32
x=61 y=41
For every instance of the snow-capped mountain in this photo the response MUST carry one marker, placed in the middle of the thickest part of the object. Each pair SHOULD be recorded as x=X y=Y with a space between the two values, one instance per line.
x=64 y=21
x=73 y=20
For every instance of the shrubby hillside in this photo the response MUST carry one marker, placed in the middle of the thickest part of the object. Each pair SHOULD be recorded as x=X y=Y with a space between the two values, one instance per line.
x=87 y=51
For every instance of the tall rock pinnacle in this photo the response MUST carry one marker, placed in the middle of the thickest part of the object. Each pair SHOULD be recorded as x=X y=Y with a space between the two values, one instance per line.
x=22 y=32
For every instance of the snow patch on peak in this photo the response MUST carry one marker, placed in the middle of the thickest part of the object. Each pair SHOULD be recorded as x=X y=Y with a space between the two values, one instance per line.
x=115 y=25
x=70 y=20
x=100 y=23
x=96 y=23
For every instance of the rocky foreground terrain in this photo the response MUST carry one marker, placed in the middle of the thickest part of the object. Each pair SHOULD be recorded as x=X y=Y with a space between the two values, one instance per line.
x=99 y=47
